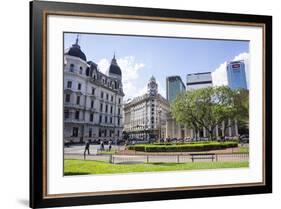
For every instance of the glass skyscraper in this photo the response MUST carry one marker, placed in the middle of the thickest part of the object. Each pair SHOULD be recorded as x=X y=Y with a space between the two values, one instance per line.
x=174 y=85
x=236 y=75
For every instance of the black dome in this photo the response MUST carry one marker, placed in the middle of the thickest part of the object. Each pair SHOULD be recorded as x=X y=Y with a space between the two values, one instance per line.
x=114 y=68
x=76 y=52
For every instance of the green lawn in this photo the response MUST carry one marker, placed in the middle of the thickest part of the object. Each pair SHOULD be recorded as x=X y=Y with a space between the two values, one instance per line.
x=84 y=167
x=242 y=150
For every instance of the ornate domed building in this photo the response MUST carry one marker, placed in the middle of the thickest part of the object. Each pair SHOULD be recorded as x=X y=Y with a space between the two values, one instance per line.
x=114 y=70
x=92 y=100
x=75 y=51
x=145 y=116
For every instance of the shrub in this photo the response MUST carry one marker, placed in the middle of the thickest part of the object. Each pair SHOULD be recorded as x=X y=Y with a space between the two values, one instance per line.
x=186 y=147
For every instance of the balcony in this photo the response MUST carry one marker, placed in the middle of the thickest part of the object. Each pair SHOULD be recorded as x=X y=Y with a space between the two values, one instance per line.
x=71 y=105
x=71 y=120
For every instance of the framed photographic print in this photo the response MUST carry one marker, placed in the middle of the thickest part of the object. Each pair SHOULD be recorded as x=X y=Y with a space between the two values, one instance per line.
x=139 y=104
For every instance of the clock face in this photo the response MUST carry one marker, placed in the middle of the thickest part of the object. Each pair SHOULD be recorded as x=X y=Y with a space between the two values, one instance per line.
x=153 y=85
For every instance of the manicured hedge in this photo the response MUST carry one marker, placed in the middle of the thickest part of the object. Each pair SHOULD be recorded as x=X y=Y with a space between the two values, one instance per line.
x=186 y=147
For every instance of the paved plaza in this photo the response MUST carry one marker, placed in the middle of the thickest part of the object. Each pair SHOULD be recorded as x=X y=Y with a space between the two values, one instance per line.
x=122 y=156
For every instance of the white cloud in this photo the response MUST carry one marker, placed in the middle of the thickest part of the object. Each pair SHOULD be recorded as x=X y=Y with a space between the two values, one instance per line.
x=219 y=75
x=130 y=74
x=161 y=90
x=103 y=65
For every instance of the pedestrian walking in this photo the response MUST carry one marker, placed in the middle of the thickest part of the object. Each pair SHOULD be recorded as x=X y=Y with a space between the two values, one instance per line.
x=87 y=148
x=101 y=145
x=109 y=145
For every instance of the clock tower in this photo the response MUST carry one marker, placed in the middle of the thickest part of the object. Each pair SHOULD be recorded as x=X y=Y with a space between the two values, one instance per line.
x=152 y=87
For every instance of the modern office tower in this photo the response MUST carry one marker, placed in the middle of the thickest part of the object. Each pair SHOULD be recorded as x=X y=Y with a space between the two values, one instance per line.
x=198 y=80
x=174 y=85
x=236 y=76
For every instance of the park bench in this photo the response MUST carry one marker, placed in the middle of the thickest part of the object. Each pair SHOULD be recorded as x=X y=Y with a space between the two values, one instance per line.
x=203 y=156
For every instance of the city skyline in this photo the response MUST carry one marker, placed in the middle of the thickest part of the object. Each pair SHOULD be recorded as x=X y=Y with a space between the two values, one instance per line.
x=141 y=57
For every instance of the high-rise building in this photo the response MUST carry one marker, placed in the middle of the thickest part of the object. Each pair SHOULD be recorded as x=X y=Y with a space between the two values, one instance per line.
x=174 y=85
x=198 y=80
x=236 y=76
x=146 y=115
x=92 y=100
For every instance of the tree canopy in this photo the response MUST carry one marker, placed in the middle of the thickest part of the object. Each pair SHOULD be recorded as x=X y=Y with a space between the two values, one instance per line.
x=209 y=107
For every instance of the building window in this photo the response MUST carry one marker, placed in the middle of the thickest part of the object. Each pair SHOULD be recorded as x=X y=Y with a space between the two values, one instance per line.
x=91 y=117
x=105 y=119
x=118 y=111
x=119 y=101
x=92 y=104
x=112 y=98
x=100 y=118
x=101 y=107
x=118 y=133
x=118 y=122
x=71 y=68
x=75 y=131
x=111 y=120
x=79 y=86
x=93 y=91
x=111 y=109
x=101 y=94
x=106 y=108
x=77 y=113
x=106 y=96
x=67 y=98
x=80 y=70
x=69 y=84
x=78 y=100
x=66 y=114
x=90 y=132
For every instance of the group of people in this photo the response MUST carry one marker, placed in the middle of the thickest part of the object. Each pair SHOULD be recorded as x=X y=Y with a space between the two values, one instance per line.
x=88 y=142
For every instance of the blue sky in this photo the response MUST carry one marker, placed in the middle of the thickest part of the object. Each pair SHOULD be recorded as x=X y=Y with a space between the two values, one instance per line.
x=141 y=57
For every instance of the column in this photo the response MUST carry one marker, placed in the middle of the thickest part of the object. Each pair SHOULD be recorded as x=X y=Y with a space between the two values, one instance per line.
x=222 y=126
x=204 y=132
x=236 y=128
x=173 y=129
x=217 y=131
x=167 y=126
x=229 y=128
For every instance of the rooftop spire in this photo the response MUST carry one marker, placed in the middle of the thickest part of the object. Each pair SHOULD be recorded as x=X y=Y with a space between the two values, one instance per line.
x=77 y=39
x=113 y=61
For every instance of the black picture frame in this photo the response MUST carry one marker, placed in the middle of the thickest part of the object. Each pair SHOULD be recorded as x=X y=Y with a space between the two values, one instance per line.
x=38 y=12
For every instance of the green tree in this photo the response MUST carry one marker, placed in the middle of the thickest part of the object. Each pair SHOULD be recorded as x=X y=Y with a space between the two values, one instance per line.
x=209 y=107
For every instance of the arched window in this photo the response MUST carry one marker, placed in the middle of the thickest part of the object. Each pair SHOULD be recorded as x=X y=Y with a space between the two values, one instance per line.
x=71 y=68
x=80 y=70
x=87 y=71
